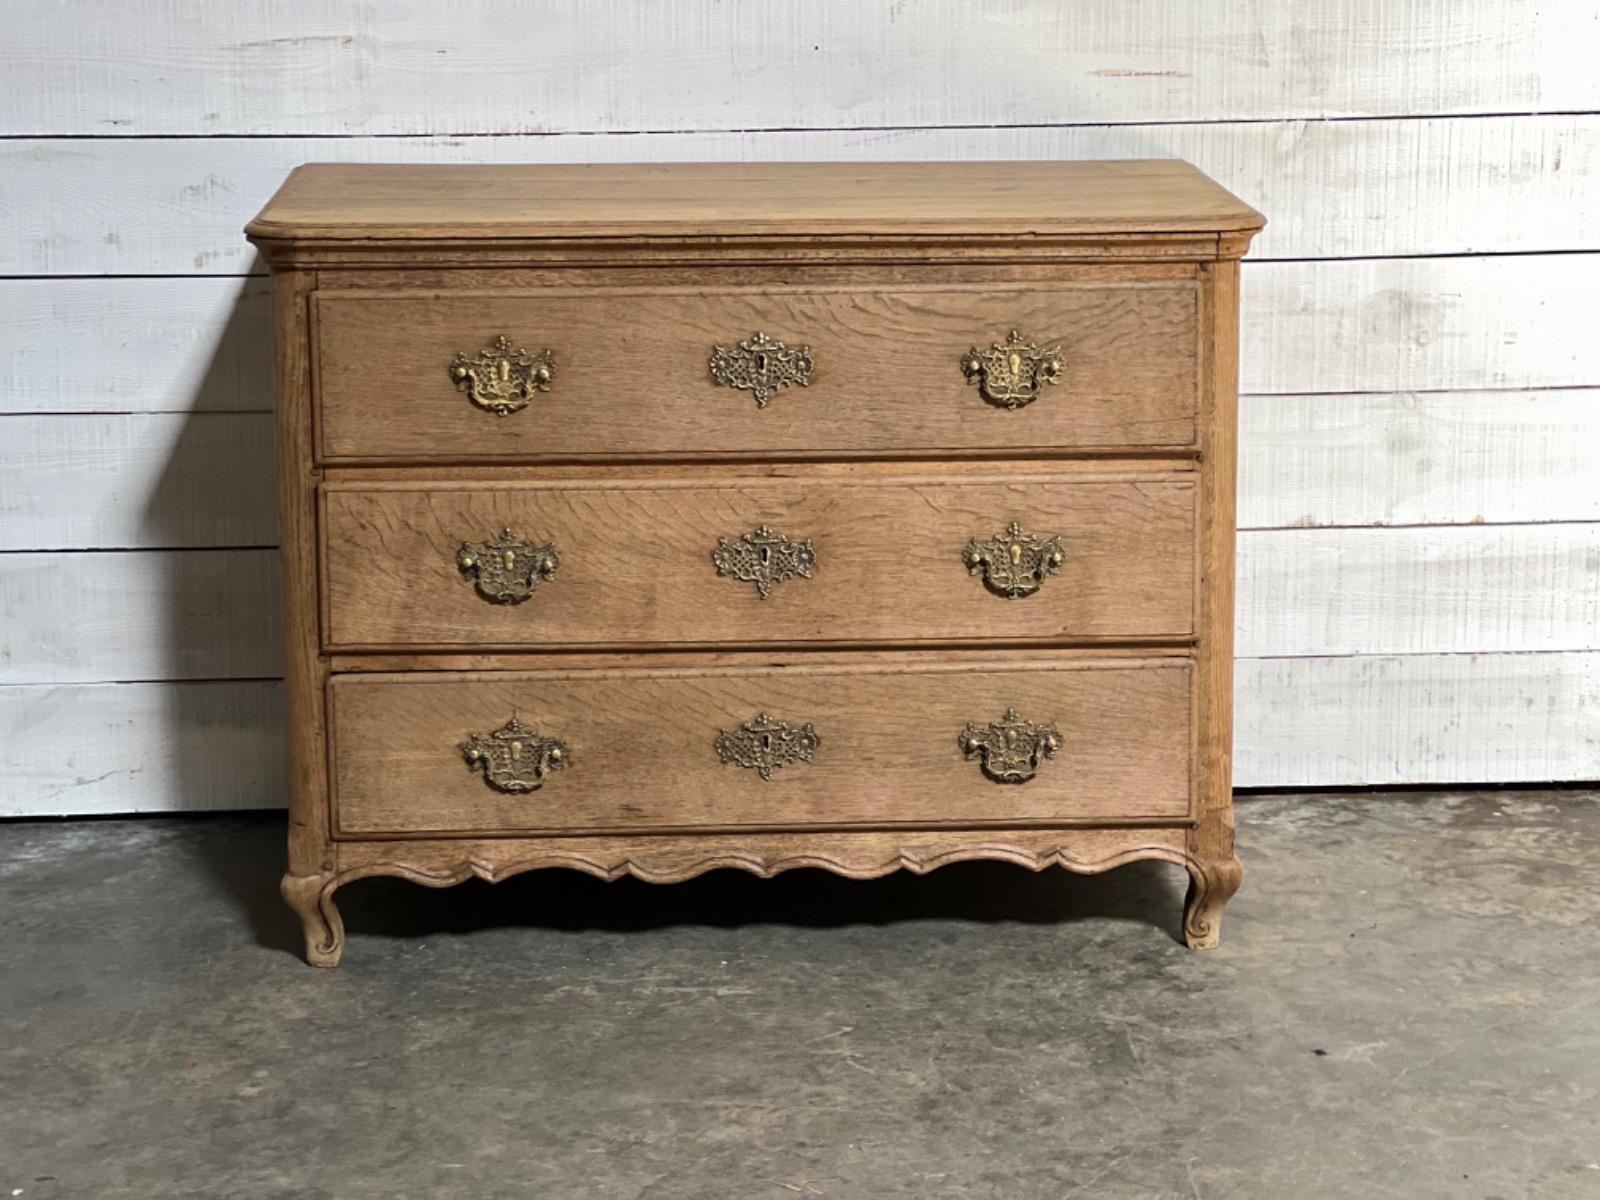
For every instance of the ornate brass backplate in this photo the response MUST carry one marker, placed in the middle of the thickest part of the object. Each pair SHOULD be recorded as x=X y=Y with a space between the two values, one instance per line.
x=761 y=366
x=1010 y=373
x=508 y=569
x=1010 y=749
x=764 y=558
x=1014 y=564
x=514 y=758
x=766 y=744
x=502 y=378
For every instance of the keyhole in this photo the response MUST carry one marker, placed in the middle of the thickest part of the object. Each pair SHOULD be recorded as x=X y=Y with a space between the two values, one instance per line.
x=766 y=555
x=511 y=559
x=505 y=369
x=766 y=741
x=516 y=749
x=1016 y=364
x=1016 y=554
x=761 y=364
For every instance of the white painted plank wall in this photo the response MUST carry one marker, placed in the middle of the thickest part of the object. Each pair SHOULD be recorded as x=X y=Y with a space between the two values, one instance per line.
x=1418 y=555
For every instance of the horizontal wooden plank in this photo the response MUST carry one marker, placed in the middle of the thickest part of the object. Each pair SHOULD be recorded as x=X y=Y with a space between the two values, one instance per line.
x=504 y=66
x=135 y=345
x=1418 y=590
x=1317 y=722
x=1391 y=325
x=213 y=614
x=1384 y=325
x=151 y=480
x=1330 y=188
x=80 y=749
x=137 y=480
x=1432 y=718
x=139 y=615
x=1419 y=458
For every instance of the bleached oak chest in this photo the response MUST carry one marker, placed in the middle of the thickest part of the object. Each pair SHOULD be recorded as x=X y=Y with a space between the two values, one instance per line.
x=653 y=519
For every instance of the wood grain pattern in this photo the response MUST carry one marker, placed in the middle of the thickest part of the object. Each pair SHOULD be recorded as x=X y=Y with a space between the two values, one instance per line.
x=642 y=747
x=636 y=560
x=632 y=377
x=301 y=67
x=433 y=202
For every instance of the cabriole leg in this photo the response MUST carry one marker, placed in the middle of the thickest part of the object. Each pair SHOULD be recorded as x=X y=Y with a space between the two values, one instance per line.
x=311 y=896
x=1211 y=885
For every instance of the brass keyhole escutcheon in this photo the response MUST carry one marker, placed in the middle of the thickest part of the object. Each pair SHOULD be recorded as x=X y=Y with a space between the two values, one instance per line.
x=761 y=366
x=763 y=557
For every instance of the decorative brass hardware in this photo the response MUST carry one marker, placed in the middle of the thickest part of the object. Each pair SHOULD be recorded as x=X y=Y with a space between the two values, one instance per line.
x=1014 y=564
x=1011 y=749
x=507 y=570
x=1010 y=373
x=764 y=558
x=514 y=758
x=767 y=744
x=503 y=378
x=762 y=366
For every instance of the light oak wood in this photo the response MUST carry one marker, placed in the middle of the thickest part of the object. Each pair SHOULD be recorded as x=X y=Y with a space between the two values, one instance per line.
x=631 y=374
x=643 y=756
x=885 y=271
x=637 y=560
x=429 y=202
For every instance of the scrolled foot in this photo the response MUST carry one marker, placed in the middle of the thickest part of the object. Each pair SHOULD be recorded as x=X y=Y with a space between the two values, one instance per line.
x=311 y=896
x=1211 y=885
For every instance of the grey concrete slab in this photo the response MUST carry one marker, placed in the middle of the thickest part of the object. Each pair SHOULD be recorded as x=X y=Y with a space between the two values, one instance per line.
x=1406 y=1004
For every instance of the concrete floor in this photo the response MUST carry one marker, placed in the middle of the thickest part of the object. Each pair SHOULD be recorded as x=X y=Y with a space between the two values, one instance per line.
x=1406 y=1004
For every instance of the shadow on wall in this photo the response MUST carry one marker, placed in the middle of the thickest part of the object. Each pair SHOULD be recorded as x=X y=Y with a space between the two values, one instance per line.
x=219 y=718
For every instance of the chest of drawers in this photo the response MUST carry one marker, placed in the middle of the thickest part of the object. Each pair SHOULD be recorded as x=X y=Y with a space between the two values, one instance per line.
x=653 y=519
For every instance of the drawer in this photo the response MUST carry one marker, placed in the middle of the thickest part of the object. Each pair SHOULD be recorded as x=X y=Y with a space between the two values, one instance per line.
x=881 y=744
x=631 y=371
x=867 y=554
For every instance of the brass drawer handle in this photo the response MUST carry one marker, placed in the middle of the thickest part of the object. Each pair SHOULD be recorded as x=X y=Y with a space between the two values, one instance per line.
x=507 y=570
x=1015 y=563
x=766 y=744
x=764 y=558
x=1010 y=749
x=514 y=758
x=761 y=365
x=503 y=378
x=1010 y=373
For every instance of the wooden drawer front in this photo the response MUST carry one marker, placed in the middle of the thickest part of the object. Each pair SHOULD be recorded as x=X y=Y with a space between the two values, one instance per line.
x=640 y=747
x=632 y=374
x=637 y=561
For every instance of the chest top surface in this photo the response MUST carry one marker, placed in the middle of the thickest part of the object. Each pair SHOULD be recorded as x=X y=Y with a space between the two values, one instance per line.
x=334 y=201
